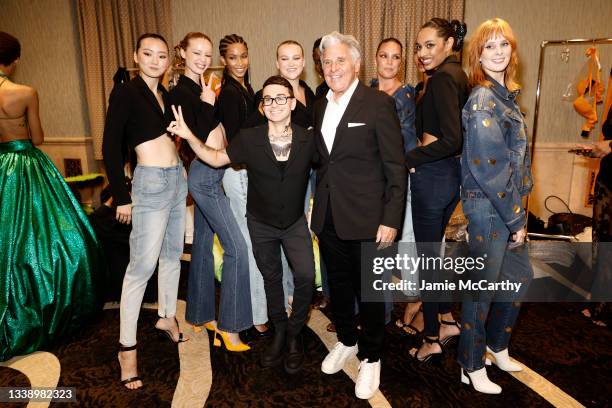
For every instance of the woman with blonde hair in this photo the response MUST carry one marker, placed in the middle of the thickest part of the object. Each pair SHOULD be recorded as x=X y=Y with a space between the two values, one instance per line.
x=496 y=175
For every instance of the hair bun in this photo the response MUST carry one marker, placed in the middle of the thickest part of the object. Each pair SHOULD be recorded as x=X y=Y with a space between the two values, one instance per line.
x=460 y=29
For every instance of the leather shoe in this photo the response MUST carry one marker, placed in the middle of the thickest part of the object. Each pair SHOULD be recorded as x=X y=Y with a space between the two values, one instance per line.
x=321 y=301
x=294 y=359
x=368 y=379
x=273 y=355
x=337 y=357
x=251 y=334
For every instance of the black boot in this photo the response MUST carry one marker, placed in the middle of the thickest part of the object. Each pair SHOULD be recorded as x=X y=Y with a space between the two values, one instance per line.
x=276 y=350
x=294 y=360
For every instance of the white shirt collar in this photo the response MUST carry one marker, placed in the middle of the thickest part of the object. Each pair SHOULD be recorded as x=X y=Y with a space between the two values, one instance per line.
x=346 y=97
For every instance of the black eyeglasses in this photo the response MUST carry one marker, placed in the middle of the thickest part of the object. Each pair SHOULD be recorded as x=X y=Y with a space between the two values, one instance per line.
x=280 y=100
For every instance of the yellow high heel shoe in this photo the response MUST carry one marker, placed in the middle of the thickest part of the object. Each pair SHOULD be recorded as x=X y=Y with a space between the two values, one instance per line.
x=227 y=343
x=208 y=326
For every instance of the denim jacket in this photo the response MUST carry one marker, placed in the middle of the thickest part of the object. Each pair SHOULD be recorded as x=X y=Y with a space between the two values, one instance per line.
x=405 y=107
x=495 y=163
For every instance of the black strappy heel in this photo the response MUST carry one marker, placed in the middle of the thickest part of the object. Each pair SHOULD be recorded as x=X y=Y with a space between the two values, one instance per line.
x=431 y=355
x=169 y=333
x=449 y=338
x=123 y=348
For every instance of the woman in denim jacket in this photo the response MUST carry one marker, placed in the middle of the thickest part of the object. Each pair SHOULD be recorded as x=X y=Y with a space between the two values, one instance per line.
x=389 y=56
x=496 y=175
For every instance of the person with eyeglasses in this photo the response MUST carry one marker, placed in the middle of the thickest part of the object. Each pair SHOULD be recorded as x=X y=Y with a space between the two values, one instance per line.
x=278 y=157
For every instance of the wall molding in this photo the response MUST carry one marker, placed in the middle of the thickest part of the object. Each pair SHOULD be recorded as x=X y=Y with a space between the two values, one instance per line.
x=67 y=140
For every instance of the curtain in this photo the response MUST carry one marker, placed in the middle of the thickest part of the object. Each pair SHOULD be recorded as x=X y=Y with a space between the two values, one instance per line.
x=108 y=30
x=371 y=21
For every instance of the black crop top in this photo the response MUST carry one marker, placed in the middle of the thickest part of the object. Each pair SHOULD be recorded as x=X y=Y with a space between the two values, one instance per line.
x=234 y=106
x=133 y=117
x=301 y=115
x=438 y=112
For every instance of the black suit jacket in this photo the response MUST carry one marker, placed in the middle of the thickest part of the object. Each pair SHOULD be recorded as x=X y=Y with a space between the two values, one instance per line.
x=363 y=180
x=275 y=196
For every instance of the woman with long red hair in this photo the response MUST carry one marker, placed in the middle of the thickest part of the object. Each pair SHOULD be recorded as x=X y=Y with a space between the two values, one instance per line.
x=496 y=175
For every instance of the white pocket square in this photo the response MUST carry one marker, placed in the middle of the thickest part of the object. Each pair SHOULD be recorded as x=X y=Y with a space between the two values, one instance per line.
x=355 y=124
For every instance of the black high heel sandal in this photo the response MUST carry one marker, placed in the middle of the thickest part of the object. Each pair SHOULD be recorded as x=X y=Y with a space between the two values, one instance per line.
x=409 y=328
x=122 y=348
x=449 y=338
x=169 y=333
x=431 y=355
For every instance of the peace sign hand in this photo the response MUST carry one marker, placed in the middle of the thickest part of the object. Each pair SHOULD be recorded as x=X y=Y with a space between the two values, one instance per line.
x=208 y=94
x=178 y=126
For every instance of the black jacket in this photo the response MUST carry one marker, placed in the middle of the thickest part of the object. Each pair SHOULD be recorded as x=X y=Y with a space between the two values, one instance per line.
x=234 y=106
x=275 y=195
x=363 y=179
x=133 y=117
x=438 y=112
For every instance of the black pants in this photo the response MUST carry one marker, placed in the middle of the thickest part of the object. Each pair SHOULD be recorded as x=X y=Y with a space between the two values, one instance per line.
x=434 y=191
x=297 y=243
x=343 y=261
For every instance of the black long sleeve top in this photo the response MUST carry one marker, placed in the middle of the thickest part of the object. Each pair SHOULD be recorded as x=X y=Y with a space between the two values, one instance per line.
x=234 y=105
x=133 y=117
x=301 y=115
x=198 y=115
x=438 y=112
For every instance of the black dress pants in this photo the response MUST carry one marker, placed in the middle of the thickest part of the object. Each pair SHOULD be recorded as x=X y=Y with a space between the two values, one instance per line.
x=343 y=261
x=297 y=244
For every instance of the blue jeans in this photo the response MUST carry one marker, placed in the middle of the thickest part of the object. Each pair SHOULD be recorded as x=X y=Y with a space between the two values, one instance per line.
x=407 y=243
x=212 y=214
x=158 y=234
x=489 y=235
x=435 y=194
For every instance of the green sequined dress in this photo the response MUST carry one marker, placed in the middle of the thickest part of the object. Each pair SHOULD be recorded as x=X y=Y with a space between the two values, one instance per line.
x=49 y=255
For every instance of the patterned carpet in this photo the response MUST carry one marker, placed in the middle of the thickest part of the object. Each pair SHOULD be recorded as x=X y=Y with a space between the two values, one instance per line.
x=553 y=340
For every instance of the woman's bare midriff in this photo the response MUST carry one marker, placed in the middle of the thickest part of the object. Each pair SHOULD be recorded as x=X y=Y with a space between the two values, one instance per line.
x=427 y=139
x=159 y=152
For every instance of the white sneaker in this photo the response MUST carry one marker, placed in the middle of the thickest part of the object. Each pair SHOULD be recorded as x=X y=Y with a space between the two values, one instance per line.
x=368 y=379
x=337 y=357
x=502 y=360
x=480 y=381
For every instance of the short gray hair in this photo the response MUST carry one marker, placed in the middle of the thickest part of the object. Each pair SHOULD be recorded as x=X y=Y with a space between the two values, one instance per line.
x=335 y=37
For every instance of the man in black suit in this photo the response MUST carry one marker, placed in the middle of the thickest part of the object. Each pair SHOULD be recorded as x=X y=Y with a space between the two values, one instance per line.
x=360 y=197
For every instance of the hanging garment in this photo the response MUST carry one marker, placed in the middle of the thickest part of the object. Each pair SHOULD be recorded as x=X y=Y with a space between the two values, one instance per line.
x=590 y=92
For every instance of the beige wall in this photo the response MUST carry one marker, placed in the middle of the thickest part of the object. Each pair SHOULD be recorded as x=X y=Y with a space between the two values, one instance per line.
x=262 y=23
x=50 y=61
x=534 y=22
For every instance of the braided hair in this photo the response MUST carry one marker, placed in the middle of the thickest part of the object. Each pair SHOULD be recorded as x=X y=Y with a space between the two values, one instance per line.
x=447 y=29
x=223 y=45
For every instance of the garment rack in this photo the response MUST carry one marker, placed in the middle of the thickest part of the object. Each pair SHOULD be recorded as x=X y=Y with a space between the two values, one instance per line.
x=536 y=111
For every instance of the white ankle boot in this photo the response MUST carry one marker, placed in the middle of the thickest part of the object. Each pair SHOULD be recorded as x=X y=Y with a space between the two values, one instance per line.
x=480 y=381
x=502 y=360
